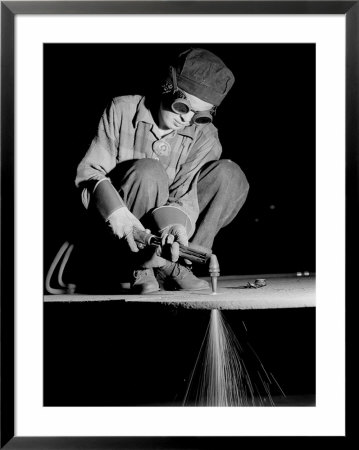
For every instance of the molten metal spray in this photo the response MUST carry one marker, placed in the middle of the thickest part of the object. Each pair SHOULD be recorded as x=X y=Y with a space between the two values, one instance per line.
x=223 y=379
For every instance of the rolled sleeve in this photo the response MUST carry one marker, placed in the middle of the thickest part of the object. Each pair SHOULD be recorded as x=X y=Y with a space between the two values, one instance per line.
x=101 y=157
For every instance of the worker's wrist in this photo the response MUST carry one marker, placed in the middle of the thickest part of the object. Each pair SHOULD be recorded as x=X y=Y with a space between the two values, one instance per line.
x=106 y=198
x=118 y=215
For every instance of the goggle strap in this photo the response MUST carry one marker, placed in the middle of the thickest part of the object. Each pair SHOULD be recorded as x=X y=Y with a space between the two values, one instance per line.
x=174 y=79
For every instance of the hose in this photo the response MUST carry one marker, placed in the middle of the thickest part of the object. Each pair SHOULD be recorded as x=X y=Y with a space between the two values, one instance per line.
x=68 y=248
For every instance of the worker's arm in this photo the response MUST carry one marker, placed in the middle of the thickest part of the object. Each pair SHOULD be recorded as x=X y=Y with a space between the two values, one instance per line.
x=92 y=172
x=183 y=191
x=98 y=161
x=100 y=158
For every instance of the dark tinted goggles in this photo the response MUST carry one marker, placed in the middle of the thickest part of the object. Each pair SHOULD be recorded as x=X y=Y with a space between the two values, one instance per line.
x=182 y=106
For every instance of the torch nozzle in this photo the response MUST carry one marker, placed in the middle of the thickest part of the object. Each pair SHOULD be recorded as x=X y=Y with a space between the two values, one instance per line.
x=214 y=272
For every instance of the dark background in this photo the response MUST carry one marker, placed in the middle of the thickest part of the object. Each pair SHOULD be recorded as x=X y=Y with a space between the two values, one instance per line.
x=108 y=354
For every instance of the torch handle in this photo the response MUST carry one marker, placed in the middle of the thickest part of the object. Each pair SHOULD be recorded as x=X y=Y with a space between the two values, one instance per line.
x=189 y=252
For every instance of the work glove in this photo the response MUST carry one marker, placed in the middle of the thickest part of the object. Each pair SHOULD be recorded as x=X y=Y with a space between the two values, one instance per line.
x=174 y=235
x=122 y=222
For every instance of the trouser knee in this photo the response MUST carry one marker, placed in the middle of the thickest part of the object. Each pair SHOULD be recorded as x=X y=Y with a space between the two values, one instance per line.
x=230 y=176
x=150 y=170
x=142 y=184
x=146 y=171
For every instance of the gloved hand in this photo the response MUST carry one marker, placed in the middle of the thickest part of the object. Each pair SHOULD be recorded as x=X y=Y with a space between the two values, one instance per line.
x=122 y=222
x=174 y=235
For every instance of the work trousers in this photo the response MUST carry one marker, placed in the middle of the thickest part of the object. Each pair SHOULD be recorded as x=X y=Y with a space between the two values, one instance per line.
x=222 y=189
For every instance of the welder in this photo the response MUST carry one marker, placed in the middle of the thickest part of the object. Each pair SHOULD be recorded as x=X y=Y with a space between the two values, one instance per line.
x=155 y=164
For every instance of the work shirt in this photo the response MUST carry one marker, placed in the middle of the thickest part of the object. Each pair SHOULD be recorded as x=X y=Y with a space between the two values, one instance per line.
x=128 y=131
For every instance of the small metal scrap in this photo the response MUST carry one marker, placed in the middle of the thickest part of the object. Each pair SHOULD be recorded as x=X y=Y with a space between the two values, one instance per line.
x=260 y=282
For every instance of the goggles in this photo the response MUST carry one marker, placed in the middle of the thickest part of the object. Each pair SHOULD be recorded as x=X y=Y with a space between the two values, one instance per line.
x=181 y=105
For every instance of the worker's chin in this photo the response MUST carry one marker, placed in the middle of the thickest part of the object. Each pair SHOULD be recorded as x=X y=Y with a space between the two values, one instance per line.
x=174 y=127
x=170 y=121
x=178 y=126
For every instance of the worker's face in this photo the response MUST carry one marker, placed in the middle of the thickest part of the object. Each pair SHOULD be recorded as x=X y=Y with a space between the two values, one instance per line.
x=169 y=120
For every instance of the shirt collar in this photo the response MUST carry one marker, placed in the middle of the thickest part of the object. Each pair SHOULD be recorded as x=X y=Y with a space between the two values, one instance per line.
x=143 y=114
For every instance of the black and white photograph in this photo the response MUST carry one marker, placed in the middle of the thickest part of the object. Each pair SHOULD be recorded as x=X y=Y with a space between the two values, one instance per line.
x=179 y=182
x=179 y=224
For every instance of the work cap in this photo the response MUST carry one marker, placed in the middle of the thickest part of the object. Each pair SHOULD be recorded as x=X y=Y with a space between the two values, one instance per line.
x=204 y=75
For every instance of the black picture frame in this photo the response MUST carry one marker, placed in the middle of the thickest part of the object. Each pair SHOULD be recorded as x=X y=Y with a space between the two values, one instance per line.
x=9 y=10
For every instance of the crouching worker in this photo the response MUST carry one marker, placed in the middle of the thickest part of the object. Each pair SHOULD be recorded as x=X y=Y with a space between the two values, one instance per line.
x=150 y=160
